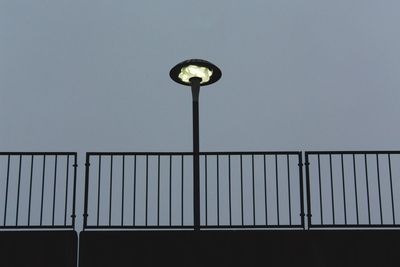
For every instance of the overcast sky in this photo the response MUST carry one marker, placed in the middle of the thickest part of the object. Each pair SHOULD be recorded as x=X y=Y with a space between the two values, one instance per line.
x=297 y=75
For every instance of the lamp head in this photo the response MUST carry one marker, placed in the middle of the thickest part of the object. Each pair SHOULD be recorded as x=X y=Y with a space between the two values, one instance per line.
x=195 y=68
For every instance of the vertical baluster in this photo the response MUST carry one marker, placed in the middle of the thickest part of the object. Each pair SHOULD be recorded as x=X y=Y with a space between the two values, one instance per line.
x=7 y=182
x=391 y=188
x=344 y=190
x=355 y=187
x=66 y=192
x=54 y=189
x=367 y=183
x=170 y=190
x=379 y=187
x=43 y=179
x=110 y=194
x=19 y=186
x=134 y=192
x=289 y=191
x=147 y=189
x=30 y=192
x=230 y=190
x=277 y=188
x=254 y=192
x=332 y=190
x=206 y=187
x=217 y=189
x=123 y=190
x=158 y=190
x=99 y=192
x=265 y=190
x=320 y=191
x=241 y=187
x=182 y=188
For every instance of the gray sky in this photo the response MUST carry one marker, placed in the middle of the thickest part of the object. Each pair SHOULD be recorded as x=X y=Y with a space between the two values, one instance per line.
x=297 y=75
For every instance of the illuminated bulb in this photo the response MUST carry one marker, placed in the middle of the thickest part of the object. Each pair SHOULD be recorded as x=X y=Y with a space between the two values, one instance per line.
x=191 y=71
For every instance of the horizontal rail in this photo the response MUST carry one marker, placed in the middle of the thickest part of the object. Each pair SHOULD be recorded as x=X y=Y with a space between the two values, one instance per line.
x=356 y=152
x=38 y=227
x=357 y=226
x=190 y=153
x=38 y=153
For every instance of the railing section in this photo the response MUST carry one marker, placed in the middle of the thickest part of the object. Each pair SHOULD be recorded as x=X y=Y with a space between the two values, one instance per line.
x=353 y=189
x=37 y=190
x=252 y=190
x=155 y=190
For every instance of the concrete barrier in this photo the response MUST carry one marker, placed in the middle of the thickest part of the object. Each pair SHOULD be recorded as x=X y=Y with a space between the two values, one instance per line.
x=38 y=248
x=240 y=248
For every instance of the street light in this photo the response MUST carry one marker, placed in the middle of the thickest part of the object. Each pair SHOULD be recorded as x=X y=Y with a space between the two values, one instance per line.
x=195 y=73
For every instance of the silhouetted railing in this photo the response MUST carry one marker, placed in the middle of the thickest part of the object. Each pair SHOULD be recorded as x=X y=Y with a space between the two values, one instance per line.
x=37 y=190
x=344 y=189
x=252 y=190
x=155 y=190
x=136 y=190
x=353 y=188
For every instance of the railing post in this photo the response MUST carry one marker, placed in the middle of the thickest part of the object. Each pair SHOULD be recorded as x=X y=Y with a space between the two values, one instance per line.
x=73 y=215
x=300 y=164
x=307 y=163
x=85 y=213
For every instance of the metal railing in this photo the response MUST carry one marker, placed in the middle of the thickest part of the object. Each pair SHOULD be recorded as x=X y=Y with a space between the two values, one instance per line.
x=155 y=190
x=38 y=190
x=353 y=189
x=243 y=190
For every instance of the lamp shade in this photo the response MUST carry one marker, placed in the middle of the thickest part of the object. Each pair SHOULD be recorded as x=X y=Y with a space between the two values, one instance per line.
x=195 y=68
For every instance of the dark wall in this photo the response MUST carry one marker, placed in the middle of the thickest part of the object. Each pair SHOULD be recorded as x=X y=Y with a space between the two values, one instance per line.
x=38 y=248
x=207 y=248
x=240 y=248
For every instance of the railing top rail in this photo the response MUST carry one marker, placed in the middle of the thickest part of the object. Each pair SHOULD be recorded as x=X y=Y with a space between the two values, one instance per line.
x=36 y=227
x=353 y=152
x=355 y=226
x=253 y=153
x=191 y=153
x=38 y=153
x=137 y=153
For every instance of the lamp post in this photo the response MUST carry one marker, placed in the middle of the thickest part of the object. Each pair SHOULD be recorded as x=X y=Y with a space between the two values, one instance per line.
x=195 y=73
